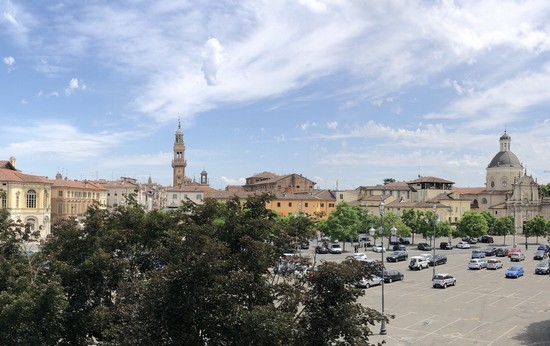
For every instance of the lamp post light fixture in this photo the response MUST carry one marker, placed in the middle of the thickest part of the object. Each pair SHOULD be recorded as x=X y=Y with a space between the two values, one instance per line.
x=381 y=233
x=433 y=247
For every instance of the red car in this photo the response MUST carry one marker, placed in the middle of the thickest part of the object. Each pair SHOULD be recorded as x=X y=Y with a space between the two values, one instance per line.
x=513 y=251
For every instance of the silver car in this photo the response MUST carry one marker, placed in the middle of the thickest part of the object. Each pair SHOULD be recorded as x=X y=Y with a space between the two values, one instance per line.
x=443 y=280
x=477 y=263
x=543 y=267
x=366 y=283
x=494 y=263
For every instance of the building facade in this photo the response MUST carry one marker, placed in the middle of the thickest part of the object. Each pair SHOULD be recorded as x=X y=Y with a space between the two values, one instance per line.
x=26 y=197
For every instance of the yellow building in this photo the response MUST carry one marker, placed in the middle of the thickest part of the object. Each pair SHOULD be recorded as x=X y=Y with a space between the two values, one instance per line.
x=71 y=198
x=26 y=197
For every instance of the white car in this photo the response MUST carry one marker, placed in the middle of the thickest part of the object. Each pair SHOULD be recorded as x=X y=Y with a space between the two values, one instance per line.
x=477 y=263
x=366 y=283
x=517 y=256
x=359 y=256
x=379 y=248
x=463 y=245
x=443 y=280
x=494 y=263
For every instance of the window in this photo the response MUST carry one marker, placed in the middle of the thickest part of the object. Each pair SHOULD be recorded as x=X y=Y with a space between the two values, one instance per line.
x=307 y=204
x=290 y=204
x=4 y=200
x=199 y=198
x=31 y=199
x=174 y=196
x=60 y=194
x=484 y=201
x=278 y=204
x=341 y=196
x=322 y=205
x=331 y=205
x=60 y=207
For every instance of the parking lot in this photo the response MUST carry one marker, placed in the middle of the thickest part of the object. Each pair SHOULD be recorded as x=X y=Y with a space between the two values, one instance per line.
x=484 y=308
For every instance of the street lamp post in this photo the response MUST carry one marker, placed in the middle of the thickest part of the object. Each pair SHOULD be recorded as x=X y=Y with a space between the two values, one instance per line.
x=381 y=232
x=433 y=247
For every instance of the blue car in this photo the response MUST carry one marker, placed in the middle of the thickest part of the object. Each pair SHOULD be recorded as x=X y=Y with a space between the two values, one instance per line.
x=515 y=272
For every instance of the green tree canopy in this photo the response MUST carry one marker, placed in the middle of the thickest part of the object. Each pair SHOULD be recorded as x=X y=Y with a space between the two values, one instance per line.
x=504 y=226
x=472 y=224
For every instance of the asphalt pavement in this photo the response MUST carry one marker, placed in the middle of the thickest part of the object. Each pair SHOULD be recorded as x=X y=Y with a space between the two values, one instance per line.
x=484 y=308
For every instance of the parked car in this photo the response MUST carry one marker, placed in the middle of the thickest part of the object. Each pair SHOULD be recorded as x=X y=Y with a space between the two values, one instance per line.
x=445 y=245
x=304 y=246
x=399 y=247
x=418 y=263
x=502 y=252
x=486 y=239
x=321 y=249
x=494 y=263
x=335 y=249
x=397 y=256
x=517 y=256
x=544 y=247
x=477 y=263
x=540 y=255
x=490 y=251
x=367 y=283
x=443 y=280
x=424 y=246
x=437 y=259
x=359 y=256
x=378 y=248
x=478 y=254
x=514 y=271
x=513 y=251
x=469 y=240
x=543 y=267
x=463 y=245
x=404 y=241
x=391 y=275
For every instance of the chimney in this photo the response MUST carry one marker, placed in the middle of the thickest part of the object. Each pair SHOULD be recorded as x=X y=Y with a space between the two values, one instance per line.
x=13 y=161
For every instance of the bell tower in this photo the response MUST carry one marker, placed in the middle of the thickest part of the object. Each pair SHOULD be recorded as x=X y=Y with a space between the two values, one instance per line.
x=179 y=163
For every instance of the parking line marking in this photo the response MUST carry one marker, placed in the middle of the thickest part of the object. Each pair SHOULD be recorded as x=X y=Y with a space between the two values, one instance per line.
x=526 y=300
x=501 y=335
x=435 y=331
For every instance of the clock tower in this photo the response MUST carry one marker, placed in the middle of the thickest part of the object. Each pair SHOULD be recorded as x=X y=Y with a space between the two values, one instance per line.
x=179 y=163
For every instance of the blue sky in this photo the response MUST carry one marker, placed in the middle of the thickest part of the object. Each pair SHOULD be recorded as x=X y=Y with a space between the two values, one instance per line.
x=346 y=93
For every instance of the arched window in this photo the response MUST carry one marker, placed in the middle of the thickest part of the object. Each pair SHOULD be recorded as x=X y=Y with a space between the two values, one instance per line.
x=31 y=199
x=3 y=200
x=484 y=200
x=31 y=223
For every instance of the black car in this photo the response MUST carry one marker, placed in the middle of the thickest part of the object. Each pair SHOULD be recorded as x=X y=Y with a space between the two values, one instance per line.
x=391 y=275
x=404 y=241
x=397 y=256
x=490 y=251
x=321 y=250
x=445 y=245
x=486 y=239
x=424 y=247
x=438 y=259
x=540 y=255
x=502 y=252
x=469 y=240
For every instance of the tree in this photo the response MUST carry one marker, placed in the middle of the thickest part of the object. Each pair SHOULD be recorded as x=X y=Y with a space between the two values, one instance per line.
x=472 y=224
x=388 y=180
x=345 y=222
x=544 y=190
x=412 y=218
x=537 y=226
x=504 y=226
x=491 y=219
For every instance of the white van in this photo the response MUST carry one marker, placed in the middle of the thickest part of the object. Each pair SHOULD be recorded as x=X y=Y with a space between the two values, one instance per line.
x=418 y=263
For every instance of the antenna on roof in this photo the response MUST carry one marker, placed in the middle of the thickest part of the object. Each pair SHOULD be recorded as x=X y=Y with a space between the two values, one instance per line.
x=336 y=184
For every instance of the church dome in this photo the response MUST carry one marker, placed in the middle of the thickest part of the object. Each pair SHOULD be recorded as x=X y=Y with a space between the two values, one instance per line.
x=505 y=159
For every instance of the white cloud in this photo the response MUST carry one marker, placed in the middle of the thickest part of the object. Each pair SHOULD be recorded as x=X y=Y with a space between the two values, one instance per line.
x=211 y=60
x=305 y=126
x=332 y=125
x=10 y=61
x=74 y=84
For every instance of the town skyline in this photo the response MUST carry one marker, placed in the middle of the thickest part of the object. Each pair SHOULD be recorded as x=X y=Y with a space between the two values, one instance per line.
x=345 y=93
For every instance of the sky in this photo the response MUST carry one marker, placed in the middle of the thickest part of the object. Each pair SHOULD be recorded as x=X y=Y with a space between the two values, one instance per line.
x=344 y=92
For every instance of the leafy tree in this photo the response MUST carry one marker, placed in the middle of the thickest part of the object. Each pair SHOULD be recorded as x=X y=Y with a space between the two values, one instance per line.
x=504 y=226
x=412 y=219
x=537 y=226
x=345 y=222
x=544 y=190
x=389 y=180
x=491 y=219
x=472 y=224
